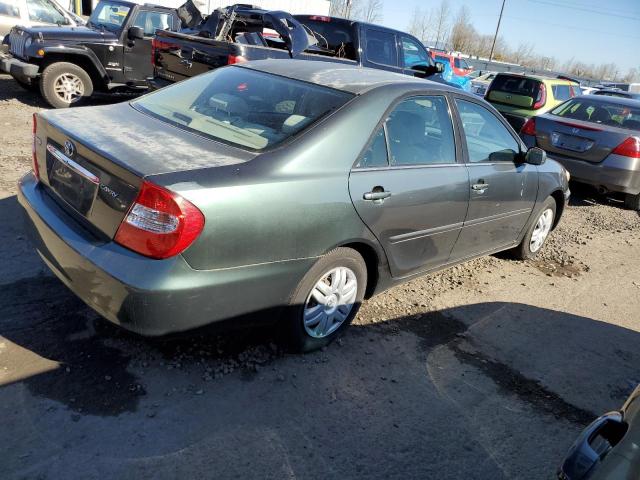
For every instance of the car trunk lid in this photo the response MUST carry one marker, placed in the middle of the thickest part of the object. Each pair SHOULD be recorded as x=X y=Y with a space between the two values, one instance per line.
x=94 y=167
x=578 y=138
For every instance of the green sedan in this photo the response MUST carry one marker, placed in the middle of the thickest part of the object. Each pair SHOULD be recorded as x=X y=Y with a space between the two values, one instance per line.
x=283 y=190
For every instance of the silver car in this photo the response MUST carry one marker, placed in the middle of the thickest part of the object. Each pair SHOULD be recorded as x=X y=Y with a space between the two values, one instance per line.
x=597 y=138
x=31 y=13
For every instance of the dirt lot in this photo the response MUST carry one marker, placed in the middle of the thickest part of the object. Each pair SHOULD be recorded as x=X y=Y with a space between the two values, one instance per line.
x=486 y=371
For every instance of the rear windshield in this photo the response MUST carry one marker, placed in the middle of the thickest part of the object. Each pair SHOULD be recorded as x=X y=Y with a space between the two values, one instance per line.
x=335 y=36
x=514 y=85
x=242 y=107
x=604 y=113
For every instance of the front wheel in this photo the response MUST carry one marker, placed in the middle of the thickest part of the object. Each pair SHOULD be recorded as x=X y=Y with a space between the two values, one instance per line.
x=326 y=300
x=538 y=231
x=64 y=84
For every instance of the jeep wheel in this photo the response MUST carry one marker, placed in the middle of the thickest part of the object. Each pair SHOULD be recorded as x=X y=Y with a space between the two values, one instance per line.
x=65 y=84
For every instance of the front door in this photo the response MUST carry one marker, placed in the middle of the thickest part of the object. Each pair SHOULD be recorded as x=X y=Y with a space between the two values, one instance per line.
x=137 y=53
x=502 y=189
x=408 y=187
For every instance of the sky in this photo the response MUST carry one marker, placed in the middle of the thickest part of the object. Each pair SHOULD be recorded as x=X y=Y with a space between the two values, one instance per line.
x=590 y=31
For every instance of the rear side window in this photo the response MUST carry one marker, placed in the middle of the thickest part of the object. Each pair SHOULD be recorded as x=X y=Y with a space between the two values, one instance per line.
x=421 y=133
x=562 y=92
x=381 y=48
x=243 y=107
x=9 y=9
x=333 y=36
x=152 y=21
x=376 y=154
x=488 y=140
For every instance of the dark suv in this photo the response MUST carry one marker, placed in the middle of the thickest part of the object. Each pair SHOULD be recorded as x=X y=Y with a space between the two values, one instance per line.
x=112 y=52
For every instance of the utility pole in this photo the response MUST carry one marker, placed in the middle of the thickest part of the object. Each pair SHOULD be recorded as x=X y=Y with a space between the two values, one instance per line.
x=495 y=37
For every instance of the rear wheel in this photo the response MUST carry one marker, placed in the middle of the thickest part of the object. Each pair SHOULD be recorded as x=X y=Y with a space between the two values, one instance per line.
x=64 y=84
x=326 y=300
x=538 y=231
x=632 y=202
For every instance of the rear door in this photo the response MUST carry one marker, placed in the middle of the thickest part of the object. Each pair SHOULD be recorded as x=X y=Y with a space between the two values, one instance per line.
x=502 y=191
x=380 y=49
x=408 y=186
x=137 y=53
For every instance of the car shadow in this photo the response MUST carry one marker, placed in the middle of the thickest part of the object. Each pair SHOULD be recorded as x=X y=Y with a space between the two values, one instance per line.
x=583 y=195
x=434 y=385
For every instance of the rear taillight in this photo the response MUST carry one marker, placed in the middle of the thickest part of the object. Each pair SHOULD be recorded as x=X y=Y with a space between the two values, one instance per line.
x=629 y=148
x=529 y=127
x=34 y=155
x=160 y=223
x=542 y=97
x=320 y=18
x=231 y=59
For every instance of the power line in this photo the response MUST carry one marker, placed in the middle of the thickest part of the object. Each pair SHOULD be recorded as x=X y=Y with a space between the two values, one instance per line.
x=577 y=5
x=590 y=30
x=583 y=9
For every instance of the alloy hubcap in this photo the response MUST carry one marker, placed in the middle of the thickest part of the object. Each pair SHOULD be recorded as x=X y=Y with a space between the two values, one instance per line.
x=68 y=87
x=541 y=230
x=330 y=302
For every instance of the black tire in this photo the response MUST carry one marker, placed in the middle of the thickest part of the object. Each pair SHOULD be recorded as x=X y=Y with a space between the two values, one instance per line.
x=30 y=86
x=523 y=251
x=298 y=339
x=53 y=72
x=632 y=202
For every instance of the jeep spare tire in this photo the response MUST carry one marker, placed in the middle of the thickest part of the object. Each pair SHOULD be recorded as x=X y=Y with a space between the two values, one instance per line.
x=64 y=84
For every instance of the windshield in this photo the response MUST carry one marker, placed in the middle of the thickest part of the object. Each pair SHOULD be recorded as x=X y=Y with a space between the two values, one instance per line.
x=46 y=12
x=243 y=107
x=605 y=113
x=109 y=15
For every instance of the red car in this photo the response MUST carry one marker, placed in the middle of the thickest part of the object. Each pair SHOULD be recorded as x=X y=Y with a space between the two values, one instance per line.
x=459 y=66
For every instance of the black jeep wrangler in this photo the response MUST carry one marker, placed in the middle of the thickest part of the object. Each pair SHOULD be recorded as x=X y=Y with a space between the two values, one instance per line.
x=111 y=53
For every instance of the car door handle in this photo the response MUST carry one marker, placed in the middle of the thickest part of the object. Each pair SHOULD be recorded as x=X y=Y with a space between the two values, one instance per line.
x=376 y=195
x=480 y=186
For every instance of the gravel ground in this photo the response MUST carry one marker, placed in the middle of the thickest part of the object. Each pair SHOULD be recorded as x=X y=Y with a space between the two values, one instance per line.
x=485 y=370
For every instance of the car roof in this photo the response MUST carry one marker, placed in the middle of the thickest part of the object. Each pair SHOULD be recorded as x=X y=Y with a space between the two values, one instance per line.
x=623 y=101
x=348 y=78
x=542 y=78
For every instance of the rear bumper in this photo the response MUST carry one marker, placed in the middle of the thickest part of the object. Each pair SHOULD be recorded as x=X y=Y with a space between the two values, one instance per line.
x=615 y=173
x=149 y=297
x=17 y=68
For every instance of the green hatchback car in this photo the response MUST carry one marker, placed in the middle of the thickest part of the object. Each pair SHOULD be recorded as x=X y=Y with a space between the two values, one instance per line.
x=289 y=190
x=519 y=97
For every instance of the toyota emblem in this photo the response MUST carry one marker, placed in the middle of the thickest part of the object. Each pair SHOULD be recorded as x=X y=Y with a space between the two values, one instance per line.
x=69 y=149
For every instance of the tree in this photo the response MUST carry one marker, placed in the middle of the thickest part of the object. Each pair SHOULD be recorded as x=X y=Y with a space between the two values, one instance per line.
x=343 y=8
x=421 y=24
x=523 y=53
x=463 y=34
x=441 y=20
x=371 y=11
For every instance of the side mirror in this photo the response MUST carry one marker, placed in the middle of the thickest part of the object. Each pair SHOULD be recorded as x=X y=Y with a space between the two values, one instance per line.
x=135 y=33
x=424 y=70
x=535 y=156
x=439 y=67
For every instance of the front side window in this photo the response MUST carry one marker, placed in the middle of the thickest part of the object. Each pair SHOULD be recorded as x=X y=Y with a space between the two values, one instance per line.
x=152 y=21
x=9 y=9
x=413 y=53
x=381 y=48
x=421 y=133
x=108 y=15
x=488 y=140
x=44 y=11
x=243 y=107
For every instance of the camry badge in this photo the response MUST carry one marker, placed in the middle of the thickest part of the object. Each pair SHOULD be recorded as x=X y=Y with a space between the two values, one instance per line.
x=69 y=149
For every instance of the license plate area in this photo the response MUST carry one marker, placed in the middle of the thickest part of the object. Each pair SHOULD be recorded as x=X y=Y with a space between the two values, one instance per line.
x=76 y=185
x=570 y=142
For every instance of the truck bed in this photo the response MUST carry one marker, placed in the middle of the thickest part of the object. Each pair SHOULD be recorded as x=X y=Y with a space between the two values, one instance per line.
x=178 y=56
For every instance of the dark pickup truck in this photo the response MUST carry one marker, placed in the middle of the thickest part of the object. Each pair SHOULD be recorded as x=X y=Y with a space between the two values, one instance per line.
x=68 y=64
x=241 y=33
